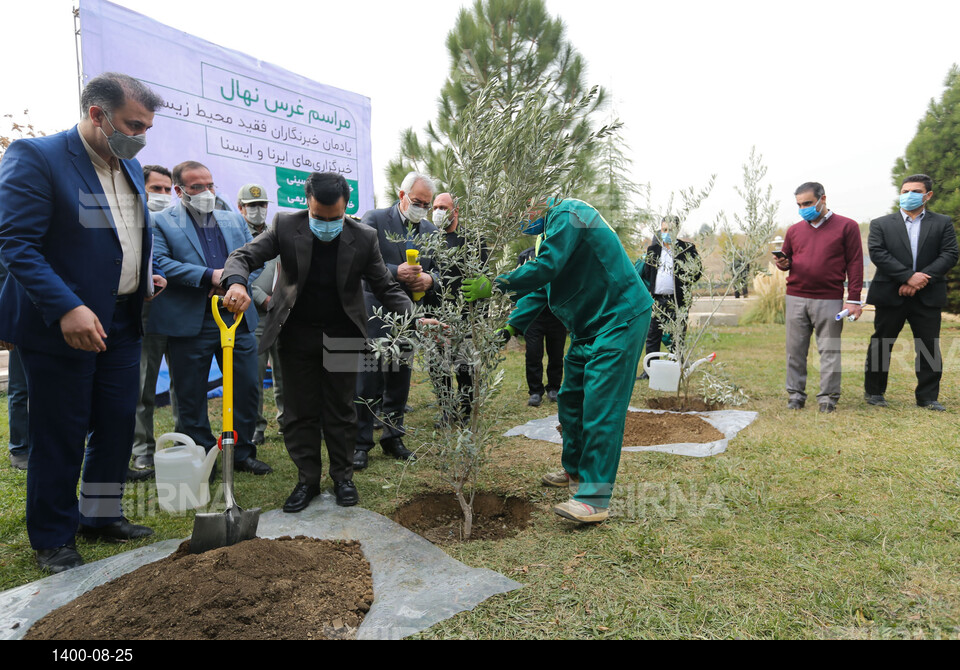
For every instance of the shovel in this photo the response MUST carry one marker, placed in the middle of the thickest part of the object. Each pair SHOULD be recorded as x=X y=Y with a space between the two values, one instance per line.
x=211 y=531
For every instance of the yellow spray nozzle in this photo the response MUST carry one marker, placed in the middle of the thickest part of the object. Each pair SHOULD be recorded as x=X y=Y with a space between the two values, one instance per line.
x=413 y=258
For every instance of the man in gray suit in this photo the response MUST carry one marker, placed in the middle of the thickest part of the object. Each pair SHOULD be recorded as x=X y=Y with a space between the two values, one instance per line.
x=913 y=250
x=316 y=314
x=386 y=390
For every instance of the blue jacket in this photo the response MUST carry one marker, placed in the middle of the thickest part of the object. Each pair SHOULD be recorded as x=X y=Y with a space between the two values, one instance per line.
x=58 y=241
x=179 y=311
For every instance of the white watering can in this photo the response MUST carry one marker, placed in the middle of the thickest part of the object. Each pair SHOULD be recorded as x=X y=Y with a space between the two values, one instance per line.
x=183 y=473
x=665 y=374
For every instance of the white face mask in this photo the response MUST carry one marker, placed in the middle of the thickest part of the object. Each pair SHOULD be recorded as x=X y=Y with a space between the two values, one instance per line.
x=440 y=218
x=256 y=214
x=158 y=201
x=415 y=214
x=204 y=202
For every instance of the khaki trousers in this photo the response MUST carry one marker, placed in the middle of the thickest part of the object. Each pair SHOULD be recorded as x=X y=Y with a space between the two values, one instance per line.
x=804 y=317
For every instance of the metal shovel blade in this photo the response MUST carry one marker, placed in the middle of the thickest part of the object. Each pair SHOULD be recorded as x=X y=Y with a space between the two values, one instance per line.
x=211 y=531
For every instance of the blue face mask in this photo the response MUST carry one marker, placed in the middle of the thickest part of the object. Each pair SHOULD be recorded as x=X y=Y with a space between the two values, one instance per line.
x=666 y=238
x=533 y=227
x=810 y=213
x=326 y=231
x=910 y=202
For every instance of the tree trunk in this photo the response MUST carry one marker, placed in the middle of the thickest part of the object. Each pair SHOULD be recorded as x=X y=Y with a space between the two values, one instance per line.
x=467 y=510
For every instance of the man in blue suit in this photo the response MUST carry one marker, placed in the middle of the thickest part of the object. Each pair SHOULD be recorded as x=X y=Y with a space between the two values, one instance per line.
x=74 y=238
x=192 y=241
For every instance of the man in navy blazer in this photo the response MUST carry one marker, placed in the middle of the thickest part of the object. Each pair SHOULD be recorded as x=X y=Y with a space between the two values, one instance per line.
x=913 y=250
x=75 y=239
x=192 y=241
x=387 y=390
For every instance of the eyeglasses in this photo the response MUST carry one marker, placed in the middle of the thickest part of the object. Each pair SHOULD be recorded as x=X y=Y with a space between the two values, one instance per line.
x=193 y=189
x=418 y=203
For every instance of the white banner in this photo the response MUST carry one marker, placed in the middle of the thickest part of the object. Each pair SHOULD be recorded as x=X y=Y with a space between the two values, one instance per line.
x=248 y=121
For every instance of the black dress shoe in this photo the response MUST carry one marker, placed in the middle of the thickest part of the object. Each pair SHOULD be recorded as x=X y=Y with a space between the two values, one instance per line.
x=140 y=475
x=253 y=466
x=795 y=404
x=395 y=448
x=143 y=462
x=827 y=408
x=643 y=377
x=552 y=395
x=875 y=400
x=360 y=460
x=535 y=400
x=932 y=405
x=259 y=438
x=59 y=559
x=346 y=493
x=118 y=531
x=301 y=497
x=19 y=461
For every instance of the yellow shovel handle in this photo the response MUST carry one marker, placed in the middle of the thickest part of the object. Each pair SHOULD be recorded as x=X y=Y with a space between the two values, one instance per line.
x=227 y=342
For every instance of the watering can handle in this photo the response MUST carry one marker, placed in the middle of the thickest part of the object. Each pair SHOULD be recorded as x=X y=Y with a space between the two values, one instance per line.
x=175 y=439
x=650 y=357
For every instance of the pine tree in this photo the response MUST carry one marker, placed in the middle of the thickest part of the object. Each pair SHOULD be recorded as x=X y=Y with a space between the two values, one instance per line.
x=935 y=151
x=518 y=43
x=614 y=191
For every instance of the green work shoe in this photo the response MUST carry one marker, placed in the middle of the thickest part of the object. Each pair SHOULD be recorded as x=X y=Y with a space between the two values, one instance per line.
x=561 y=480
x=582 y=512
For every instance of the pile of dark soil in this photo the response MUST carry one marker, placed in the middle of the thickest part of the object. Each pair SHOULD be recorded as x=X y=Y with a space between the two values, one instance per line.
x=675 y=404
x=645 y=429
x=438 y=518
x=286 y=589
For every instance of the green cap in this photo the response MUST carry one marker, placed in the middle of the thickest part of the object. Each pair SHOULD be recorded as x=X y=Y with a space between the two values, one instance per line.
x=252 y=193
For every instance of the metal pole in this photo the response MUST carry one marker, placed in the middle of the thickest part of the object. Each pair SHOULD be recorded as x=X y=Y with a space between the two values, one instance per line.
x=76 y=42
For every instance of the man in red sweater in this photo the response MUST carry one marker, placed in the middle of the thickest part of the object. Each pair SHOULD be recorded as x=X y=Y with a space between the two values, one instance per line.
x=821 y=252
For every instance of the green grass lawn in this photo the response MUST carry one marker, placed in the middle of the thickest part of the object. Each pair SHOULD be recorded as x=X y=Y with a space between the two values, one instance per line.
x=810 y=526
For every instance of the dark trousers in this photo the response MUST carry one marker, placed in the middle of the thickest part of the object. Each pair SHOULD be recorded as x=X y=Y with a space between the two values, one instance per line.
x=153 y=349
x=382 y=388
x=151 y=355
x=925 y=323
x=451 y=401
x=19 y=444
x=271 y=357
x=655 y=334
x=320 y=381
x=545 y=328
x=82 y=413
x=189 y=360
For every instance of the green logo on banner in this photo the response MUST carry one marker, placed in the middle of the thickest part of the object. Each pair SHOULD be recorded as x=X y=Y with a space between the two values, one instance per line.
x=290 y=193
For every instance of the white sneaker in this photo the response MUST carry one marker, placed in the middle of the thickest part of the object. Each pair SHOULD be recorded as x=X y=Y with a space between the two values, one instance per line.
x=561 y=480
x=582 y=512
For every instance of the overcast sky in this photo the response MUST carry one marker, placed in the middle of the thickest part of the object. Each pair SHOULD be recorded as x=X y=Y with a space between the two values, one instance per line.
x=826 y=91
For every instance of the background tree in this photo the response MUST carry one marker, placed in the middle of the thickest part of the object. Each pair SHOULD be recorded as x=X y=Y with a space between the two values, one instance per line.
x=933 y=151
x=17 y=130
x=520 y=45
x=614 y=193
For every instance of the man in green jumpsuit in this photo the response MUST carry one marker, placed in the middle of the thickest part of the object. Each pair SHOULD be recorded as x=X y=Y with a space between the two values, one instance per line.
x=583 y=273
